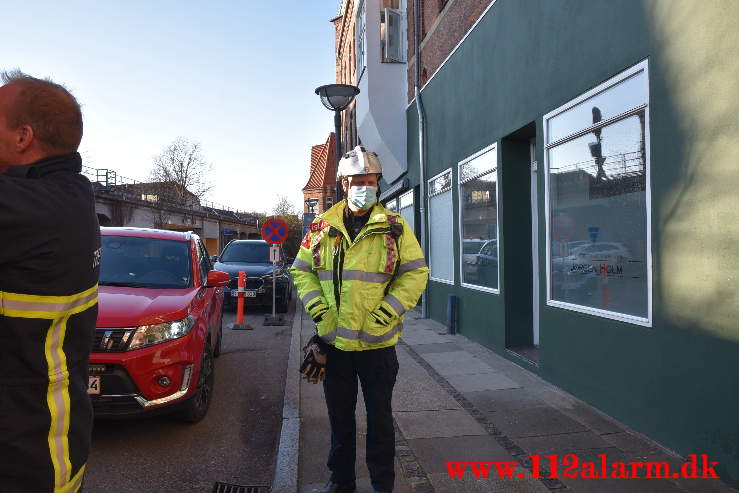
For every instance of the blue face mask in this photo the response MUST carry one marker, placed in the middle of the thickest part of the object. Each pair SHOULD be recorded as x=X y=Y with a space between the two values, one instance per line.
x=363 y=198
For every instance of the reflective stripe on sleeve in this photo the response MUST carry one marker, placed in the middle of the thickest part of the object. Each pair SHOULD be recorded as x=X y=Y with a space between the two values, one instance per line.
x=310 y=295
x=302 y=265
x=419 y=263
x=395 y=303
x=46 y=307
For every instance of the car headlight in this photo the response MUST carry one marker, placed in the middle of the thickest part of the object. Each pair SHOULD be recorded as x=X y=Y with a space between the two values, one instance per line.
x=148 y=335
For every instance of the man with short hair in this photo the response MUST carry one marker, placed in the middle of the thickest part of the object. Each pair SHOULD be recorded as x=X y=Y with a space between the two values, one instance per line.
x=49 y=266
x=358 y=270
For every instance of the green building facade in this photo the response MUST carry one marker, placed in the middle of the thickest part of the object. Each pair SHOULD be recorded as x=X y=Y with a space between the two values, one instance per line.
x=582 y=190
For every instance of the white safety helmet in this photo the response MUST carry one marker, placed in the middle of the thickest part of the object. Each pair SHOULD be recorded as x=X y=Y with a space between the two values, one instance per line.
x=358 y=161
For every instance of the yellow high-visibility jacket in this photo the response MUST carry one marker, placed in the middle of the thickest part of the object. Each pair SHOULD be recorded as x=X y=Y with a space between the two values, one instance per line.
x=351 y=277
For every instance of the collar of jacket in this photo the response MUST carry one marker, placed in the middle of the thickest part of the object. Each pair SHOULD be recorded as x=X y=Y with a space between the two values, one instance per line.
x=335 y=216
x=47 y=166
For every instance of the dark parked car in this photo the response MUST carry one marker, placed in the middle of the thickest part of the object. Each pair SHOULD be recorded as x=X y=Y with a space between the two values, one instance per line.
x=252 y=256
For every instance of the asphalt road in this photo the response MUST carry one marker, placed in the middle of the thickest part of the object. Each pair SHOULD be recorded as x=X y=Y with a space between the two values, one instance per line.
x=235 y=443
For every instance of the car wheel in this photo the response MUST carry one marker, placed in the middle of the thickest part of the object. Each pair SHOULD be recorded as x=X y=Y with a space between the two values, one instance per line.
x=219 y=341
x=197 y=406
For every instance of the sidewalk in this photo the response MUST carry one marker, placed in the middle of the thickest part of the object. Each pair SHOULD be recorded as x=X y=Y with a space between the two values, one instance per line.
x=457 y=401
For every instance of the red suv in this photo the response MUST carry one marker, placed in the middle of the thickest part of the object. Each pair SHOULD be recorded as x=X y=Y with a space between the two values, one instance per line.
x=159 y=324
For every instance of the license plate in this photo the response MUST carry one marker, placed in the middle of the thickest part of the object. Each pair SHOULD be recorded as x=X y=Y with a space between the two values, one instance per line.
x=93 y=385
x=249 y=293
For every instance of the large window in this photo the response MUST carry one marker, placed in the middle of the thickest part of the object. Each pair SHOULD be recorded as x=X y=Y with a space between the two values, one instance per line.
x=478 y=210
x=598 y=227
x=361 y=39
x=441 y=259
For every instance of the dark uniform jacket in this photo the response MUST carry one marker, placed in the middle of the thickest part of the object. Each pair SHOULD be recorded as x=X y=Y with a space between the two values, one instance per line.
x=49 y=266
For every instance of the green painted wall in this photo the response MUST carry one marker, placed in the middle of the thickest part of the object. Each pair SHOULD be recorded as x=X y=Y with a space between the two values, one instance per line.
x=677 y=381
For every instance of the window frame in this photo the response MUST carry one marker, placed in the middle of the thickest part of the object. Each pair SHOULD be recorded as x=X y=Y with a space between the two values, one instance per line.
x=642 y=66
x=450 y=190
x=491 y=148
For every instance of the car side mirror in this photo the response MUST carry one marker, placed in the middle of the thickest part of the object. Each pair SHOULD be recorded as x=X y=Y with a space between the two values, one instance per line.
x=214 y=258
x=217 y=278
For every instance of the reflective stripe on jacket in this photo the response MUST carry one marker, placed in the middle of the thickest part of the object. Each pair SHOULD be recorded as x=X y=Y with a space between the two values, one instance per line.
x=351 y=277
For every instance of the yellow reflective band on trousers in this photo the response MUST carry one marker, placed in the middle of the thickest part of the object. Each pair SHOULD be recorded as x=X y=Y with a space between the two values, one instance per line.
x=58 y=309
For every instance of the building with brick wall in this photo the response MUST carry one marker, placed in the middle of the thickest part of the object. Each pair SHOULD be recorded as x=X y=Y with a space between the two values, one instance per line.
x=575 y=163
x=345 y=27
x=319 y=193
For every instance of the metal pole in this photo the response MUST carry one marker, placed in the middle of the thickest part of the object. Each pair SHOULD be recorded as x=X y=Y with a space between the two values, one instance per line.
x=421 y=142
x=337 y=135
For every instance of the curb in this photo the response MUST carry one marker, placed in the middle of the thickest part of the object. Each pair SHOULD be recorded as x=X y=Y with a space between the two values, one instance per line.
x=286 y=468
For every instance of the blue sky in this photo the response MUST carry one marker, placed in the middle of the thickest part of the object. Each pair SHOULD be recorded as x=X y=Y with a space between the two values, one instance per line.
x=236 y=76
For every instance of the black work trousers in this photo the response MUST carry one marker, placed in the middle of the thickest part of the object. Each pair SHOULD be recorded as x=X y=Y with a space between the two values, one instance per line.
x=376 y=370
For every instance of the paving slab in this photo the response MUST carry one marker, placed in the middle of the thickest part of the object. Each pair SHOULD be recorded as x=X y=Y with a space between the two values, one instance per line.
x=591 y=418
x=432 y=453
x=536 y=421
x=481 y=381
x=421 y=396
x=456 y=363
x=444 y=484
x=627 y=442
x=562 y=443
x=414 y=337
x=442 y=347
x=433 y=424
x=504 y=400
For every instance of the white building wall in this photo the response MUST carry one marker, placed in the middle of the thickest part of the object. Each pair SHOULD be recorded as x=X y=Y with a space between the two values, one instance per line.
x=380 y=105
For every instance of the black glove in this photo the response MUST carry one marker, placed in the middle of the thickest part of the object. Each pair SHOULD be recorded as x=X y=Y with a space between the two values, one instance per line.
x=314 y=360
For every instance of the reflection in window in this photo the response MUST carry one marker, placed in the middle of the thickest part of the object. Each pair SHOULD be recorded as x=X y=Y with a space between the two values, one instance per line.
x=441 y=261
x=405 y=202
x=479 y=220
x=598 y=234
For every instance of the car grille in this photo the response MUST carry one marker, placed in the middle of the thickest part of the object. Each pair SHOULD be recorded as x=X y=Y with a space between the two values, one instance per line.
x=115 y=405
x=251 y=283
x=111 y=340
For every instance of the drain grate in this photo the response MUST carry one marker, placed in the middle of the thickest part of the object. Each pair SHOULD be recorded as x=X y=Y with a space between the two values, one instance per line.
x=235 y=488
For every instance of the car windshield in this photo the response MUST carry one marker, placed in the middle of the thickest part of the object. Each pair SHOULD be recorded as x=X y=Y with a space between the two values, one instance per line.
x=246 y=253
x=145 y=263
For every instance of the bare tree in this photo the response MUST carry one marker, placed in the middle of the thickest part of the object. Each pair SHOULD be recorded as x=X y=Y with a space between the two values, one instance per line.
x=285 y=210
x=183 y=171
x=283 y=207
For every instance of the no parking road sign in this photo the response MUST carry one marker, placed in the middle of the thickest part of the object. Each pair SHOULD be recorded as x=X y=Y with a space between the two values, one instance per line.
x=274 y=230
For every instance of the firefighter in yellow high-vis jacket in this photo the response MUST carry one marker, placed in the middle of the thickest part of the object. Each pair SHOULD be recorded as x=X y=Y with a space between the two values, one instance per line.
x=358 y=270
x=49 y=265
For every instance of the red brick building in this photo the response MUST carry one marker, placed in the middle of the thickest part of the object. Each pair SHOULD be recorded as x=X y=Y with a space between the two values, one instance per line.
x=320 y=192
x=444 y=24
